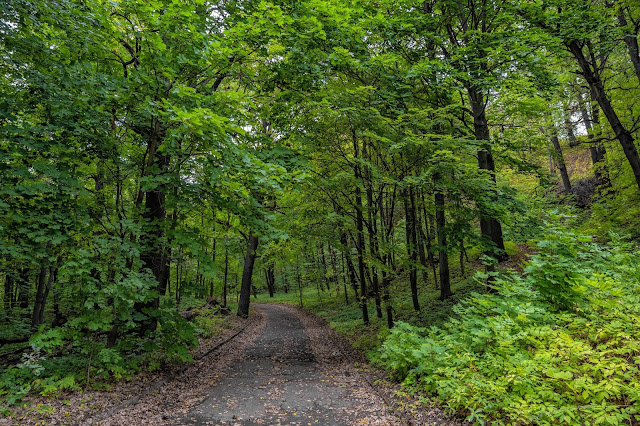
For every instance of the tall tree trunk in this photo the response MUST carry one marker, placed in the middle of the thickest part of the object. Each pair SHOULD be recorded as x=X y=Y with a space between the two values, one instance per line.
x=154 y=256
x=559 y=160
x=299 y=281
x=373 y=233
x=596 y=147
x=592 y=76
x=213 y=252
x=271 y=279
x=53 y=273
x=410 y=231
x=336 y=273
x=429 y=237
x=8 y=291
x=247 y=273
x=23 y=288
x=461 y=259
x=489 y=226
x=350 y=268
x=40 y=288
x=285 y=284
x=443 y=256
x=421 y=247
x=225 y=277
x=360 y=232
x=631 y=40
x=323 y=261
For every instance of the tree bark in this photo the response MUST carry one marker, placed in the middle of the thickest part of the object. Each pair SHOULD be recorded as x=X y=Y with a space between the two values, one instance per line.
x=323 y=261
x=154 y=256
x=428 y=238
x=489 y=227
x=53 y=274
x=271 y=279
x=421 y=247
x=299 y=281
x=360 y=232
x=247 y=273
x=410 y=231
x=285 y=284
x=225 y=277
x=559 y=160
x=350 y=268
x=373 y=234
x=596 y=149
x=36 y=320
x=443 y=256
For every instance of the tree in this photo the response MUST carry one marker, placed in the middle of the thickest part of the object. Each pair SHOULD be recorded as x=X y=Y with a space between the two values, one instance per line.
x=588 y=33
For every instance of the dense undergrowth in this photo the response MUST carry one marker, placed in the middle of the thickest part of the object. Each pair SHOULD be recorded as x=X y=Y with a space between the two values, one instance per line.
x=557 y=345
x=68 y=358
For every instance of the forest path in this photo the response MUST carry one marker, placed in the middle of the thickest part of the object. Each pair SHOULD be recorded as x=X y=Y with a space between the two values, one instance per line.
x=286 y=377
x=285 y=367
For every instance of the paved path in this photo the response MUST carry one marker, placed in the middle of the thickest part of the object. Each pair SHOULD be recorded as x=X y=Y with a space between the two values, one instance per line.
x=279 y=381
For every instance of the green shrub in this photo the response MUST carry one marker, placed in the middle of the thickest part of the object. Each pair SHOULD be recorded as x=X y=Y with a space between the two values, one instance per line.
x=559 y=346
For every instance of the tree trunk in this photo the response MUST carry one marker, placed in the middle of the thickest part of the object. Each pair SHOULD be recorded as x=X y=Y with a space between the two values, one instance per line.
x=271 y=279
x=429 y=237
x=23 y=288
x=573 y=141
x=8 y=291
x=350 y=268
x=596 y=149
x=421 y=247
x=410 y=231
x=373 y=234
x=247 y=273
x=559 y=160
x=36 y=320
x=213 y=252
x=443 y=256
x=336 y=274
x=597 y=89
x=360 y=233
x=299 y=281
x=285 y=284
x=323 y=261
x=631 y=40
x=225 y=277
x=489 y=227
x=462 y=256
x=154 y=256
x=386 y=280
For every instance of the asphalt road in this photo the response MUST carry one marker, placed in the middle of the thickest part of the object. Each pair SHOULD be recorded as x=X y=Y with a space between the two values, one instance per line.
x=279 y=381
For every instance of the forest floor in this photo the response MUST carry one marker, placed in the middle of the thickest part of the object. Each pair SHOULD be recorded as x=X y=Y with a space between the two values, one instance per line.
x=286 y=367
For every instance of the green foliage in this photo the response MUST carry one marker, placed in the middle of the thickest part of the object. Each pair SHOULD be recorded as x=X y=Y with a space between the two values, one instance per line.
x=35 y=374
x=556 y=271
x=513 y=357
